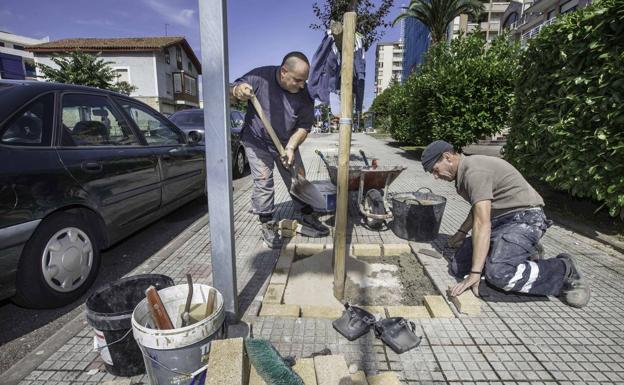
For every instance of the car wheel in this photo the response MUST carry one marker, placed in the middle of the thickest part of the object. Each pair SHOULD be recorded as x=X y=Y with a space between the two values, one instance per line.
x=58 y=264
x=239 y=163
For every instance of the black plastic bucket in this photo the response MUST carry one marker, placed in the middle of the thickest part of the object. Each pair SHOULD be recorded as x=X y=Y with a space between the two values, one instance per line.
x=417 y=215
x=109 y=312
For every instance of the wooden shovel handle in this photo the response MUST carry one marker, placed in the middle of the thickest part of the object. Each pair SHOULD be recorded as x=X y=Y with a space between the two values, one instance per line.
x=267 y=126
x=157 y=309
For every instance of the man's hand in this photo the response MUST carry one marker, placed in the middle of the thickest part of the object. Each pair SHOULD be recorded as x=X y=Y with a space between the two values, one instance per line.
x=289 y=159
x=457 y=239
x=471 y=281
x=242 y=91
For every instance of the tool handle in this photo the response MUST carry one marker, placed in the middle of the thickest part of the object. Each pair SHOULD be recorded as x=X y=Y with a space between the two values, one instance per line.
x=212 y=296
x=157 y=309
x=364 y=157
x=267 y=126
x=319 y=153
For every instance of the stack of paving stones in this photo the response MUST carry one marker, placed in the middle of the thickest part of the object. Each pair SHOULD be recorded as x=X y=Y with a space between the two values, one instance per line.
x=514 y=340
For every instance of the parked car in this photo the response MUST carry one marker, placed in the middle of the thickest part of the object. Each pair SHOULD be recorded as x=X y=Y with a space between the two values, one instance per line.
x=80 y=169
x=192 y=123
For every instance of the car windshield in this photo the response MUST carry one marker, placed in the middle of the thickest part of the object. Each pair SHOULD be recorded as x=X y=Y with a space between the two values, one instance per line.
x=188 y=118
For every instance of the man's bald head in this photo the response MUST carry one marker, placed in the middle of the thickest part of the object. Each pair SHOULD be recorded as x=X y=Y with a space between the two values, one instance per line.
x=294 y=72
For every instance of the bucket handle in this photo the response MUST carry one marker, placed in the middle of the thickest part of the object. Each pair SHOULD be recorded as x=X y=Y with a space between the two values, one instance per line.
x=431 y=192
x=114 y=342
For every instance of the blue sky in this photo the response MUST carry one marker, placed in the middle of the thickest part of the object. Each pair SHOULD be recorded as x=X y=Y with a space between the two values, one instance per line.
x=260 y=32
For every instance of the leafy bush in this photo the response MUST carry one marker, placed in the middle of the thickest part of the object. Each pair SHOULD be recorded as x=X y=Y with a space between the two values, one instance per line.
x=462 y=92
x=568 y=118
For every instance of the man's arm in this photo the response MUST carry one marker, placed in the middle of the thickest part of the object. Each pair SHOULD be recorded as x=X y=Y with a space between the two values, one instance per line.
x=481 y=231
x=293 y=143
x=457 y=239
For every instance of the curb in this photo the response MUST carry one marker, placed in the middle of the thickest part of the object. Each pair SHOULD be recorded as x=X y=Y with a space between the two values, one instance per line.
x=32 y=360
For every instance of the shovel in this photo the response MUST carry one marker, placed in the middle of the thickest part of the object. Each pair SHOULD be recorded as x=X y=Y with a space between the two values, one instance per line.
x=299 y=186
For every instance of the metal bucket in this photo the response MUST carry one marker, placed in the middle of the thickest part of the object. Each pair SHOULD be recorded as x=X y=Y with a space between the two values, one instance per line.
x=175 y=356
x=417 y=215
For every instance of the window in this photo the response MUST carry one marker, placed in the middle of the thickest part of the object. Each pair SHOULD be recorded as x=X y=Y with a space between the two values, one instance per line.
x=1 y=44
x=156 y=130
x=167 y=56
x=17 y=46
x=177 y=82
x=90 y=120
x=122 y=75
x=32 y=126
x=190 y=67
x=169 y=84
x=179 y=57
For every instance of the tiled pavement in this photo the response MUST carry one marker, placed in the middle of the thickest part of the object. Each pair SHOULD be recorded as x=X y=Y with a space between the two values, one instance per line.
x=514 y=341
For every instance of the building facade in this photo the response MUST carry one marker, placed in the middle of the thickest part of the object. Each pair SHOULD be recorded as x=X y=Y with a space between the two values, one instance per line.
x=164 y=70
x=388 y=64
x=15 y=61
x=489 y=22
x=416 y=40
x=525 y=18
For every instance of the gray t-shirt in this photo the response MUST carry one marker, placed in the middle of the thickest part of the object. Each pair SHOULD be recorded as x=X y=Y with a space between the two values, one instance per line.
x=481 y=177
x=286 y=111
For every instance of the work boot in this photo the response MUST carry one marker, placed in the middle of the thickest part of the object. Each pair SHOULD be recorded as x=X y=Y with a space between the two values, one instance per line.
x=575 y=291
x=270 y=235
x=538 y=252
x=311 y=221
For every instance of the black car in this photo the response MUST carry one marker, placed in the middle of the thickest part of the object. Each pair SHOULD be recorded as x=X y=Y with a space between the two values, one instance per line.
x=192 y=123
x=80 y=169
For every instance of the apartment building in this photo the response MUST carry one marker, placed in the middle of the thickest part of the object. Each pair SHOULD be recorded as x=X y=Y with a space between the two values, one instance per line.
x=388 y=64
x=15 y=61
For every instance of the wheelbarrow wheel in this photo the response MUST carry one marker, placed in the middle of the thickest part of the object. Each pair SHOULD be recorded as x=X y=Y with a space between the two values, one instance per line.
x=374 y=203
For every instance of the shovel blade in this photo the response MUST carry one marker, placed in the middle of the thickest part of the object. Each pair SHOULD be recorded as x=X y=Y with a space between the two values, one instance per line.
x=306 y=192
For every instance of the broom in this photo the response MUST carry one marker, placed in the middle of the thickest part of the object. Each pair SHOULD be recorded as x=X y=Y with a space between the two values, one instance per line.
x=269 y=364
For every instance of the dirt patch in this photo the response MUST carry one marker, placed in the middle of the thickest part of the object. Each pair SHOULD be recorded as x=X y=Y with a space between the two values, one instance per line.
x=388 y=281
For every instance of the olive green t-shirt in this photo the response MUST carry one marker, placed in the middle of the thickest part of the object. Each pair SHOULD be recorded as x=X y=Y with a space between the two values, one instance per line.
x=481 y=177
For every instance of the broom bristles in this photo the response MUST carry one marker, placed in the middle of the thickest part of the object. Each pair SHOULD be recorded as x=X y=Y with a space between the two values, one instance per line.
x=269 y=364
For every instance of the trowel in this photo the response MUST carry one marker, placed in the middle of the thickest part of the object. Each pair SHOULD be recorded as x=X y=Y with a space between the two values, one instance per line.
x=300 y=187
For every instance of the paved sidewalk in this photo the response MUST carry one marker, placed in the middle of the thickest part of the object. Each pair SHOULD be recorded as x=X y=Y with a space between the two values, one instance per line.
x=515 y=341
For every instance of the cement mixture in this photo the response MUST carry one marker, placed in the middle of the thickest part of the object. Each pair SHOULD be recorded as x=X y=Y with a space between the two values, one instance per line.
x=370 y=281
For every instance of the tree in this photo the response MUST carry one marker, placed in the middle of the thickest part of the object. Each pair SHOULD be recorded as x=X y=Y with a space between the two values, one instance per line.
x=370 y=18
x=438 y=14
x=123 y=87
x=79 y=68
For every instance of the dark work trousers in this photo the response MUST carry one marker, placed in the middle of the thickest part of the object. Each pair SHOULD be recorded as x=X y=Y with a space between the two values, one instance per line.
x=508 y=265
x=262 y=163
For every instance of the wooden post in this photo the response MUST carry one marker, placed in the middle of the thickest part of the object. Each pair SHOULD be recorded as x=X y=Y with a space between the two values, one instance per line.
x=346 y=109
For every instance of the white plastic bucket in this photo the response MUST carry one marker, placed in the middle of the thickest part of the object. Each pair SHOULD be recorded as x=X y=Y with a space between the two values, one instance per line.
x=170 y=356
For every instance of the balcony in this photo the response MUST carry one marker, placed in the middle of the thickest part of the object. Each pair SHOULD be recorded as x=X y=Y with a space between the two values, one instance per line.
x=542 y=6
x=497 y=7
x=185 y=89
x=492 y=26
x=534 y=31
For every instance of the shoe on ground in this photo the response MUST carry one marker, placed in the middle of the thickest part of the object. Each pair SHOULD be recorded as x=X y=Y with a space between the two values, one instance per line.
x=313 y=222
x=575 y=291
x=270 y=235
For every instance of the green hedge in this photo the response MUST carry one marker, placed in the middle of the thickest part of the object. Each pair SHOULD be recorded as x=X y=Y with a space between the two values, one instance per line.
x=568 y=117
x=462 y=92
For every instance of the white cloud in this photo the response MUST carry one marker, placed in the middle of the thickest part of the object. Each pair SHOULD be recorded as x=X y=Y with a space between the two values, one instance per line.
x=183 y=17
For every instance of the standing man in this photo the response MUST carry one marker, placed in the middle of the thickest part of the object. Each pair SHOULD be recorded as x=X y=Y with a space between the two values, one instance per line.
x=282 y=93
x=507 y=222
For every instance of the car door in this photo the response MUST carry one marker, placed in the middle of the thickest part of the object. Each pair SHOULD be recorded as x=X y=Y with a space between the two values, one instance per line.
x=100 y=149
x=181 y=165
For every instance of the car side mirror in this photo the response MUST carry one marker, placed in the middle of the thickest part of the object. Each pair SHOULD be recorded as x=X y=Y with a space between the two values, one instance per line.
x=194 y=138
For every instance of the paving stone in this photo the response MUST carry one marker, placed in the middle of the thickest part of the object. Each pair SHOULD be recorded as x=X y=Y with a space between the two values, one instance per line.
x=279 y=310
x=312 y=311
x=385 y=378
x=359 y=378
x=274 y=294
x=279 y=277
x=408 y=312
x=307 y=249
x=380 y=310
x=331 y=370
x=467 y=303
x=396 y=249
x=228 y=364
x=366 y=250
x=304 y=367
x=437 y=306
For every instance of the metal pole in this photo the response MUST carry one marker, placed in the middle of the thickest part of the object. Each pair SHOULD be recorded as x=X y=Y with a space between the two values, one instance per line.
x=346 y=122
x=215 y=86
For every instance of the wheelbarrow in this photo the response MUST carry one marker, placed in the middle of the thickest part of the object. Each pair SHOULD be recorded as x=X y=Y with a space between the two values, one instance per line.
x=372 y=182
